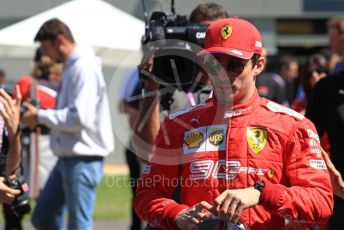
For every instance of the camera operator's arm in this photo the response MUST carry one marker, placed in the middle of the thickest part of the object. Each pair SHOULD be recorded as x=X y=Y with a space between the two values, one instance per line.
x=11 y=114
x=148 y=121
x=148 y=117
x=125 y=108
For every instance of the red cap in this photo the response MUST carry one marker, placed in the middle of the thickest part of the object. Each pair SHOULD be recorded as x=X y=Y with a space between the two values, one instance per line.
x=233 y=36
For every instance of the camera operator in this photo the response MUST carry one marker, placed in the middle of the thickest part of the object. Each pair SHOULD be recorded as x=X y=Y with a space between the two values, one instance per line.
x=10 y=149
x=147 y=127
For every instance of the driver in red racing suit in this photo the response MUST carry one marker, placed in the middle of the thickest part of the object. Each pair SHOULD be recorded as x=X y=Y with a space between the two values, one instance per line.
x=258 y=162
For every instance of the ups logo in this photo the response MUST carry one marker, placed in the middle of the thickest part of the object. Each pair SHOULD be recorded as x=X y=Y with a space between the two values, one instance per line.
x=216 y=136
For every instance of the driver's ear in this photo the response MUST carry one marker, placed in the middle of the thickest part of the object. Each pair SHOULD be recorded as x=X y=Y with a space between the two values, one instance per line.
x=260 y=65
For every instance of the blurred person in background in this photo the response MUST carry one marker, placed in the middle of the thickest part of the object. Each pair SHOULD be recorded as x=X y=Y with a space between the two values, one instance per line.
x=131 y=88
x=332 y=62
x=8 y=89
x=326 y=110
x=2 y=78
x=41 y=89
x=268 y=87
x=315 y=69
x=288 y=71
x=43 y=86
x=335 y=28
x=12 y=221
x=80 y=131
x=10 y=155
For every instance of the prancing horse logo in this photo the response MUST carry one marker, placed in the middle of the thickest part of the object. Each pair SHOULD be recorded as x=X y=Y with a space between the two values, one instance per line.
x=226 y=31
x=256 y=138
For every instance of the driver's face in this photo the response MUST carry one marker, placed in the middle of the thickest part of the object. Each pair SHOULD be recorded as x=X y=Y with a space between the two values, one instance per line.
x=239 y=79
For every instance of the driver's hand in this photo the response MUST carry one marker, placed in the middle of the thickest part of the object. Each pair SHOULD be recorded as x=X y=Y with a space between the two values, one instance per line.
x=190 y=217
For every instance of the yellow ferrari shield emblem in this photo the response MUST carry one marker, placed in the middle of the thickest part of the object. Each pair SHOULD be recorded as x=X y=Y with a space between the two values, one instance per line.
x=256 y=138
x=226 y=31
x=271 y=173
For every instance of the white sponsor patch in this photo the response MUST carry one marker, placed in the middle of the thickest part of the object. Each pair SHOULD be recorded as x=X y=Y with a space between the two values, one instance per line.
x=186 y=110
x=147 y=169
x=317 y=164
x=274 y=107
x=216 y=138
x=178 y=113
x=200 y=170
x=205 y=138
x=316 y=151
x=315 y=147
x=313 y=143
x=237 y=112
x=259 y=44
x=221 y=169
x=313 y=135
x=194 y=140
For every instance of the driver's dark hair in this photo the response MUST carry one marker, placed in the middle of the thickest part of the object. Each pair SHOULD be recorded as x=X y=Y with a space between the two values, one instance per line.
x=51 y=29
x=208 y=12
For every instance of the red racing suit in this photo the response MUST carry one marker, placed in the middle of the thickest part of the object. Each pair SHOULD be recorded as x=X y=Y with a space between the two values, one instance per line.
x=258 y=140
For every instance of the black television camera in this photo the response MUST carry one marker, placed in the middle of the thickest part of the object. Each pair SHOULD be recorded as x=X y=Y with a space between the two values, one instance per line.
x=172 y=38
x=21 y=203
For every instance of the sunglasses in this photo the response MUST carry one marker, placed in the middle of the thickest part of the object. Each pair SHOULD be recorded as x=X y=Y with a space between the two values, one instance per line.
x=234 y=66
